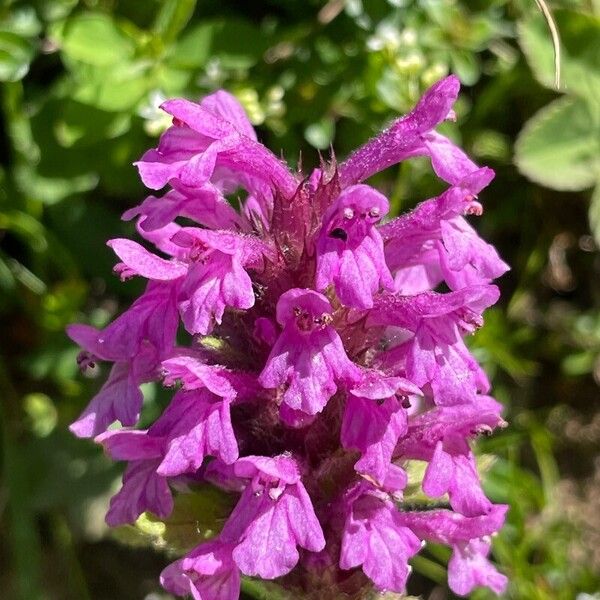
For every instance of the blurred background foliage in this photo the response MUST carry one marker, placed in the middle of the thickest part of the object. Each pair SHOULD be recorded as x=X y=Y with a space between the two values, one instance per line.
x=81 y=82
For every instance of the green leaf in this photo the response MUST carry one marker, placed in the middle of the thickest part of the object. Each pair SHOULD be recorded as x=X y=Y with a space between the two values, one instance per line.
x=579 y=48
x=413 y=494
x=320 y=134
x=16 y=53
x=234 y=44
x=80 y=124
x=172 y=81
x=194 y=48
x=581 y=362
x=96 y=39
x=466 y=66
x=431 y=569
x=594 y=214
x=118 y=88
x=53 y=10
x=196 y=517
x=7 y=279
x=391 y=89
x=266 y=590
x=41 y=412
x=560 y=146
x=173 y=16
x=22 y=20
x=51 y=190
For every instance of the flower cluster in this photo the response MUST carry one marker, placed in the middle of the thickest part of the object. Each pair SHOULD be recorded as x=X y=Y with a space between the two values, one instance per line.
x=319 y=360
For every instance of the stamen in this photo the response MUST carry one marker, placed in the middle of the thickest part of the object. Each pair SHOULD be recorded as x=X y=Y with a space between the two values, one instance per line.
x=474 y=208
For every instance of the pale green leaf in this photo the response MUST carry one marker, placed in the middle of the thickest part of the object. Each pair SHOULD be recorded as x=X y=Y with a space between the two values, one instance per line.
x=195 y=518
x=51 y=190
x=579 y=363
x=16 y=53
x=579 y=49
x=320 y=134
x=465 y=64
x=560 y=146
x=194 y=48
x=117 y=88
x=96 y=39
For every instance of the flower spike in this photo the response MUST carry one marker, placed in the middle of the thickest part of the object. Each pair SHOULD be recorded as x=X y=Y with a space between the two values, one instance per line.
x=310 y=354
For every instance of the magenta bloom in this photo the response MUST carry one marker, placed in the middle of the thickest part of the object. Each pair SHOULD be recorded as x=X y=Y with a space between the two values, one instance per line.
x=312 y=354
x=309 y=355
x=350 y=248
x=375 y=538
x=274 y=516
x=206 y=572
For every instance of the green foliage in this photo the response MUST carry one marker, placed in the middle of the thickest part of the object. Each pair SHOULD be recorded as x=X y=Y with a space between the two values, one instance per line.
x=559 y=147
x=195 y=517
x=18 y=31
x=579 y=51
x=81 y=84
x=94 y=39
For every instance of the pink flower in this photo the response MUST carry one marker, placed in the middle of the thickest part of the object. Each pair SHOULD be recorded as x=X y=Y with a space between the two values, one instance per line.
x=440 y=436
x=469 y=568
x=435 y=355
x=308 y=356
x=317 y=360
x=434 y=242
x=212 y=140
x=375 y=418
x=135 y=343
x=273 y=517
x=375 y=538
x=206 y=572
x=350 y=248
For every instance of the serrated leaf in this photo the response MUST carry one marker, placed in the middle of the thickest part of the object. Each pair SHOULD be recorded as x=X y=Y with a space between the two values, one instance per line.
x=559 y=147
x=579 y=48
x=96 y=39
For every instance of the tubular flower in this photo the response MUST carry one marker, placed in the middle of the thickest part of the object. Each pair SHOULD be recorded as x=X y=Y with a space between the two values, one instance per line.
x=320 y=359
